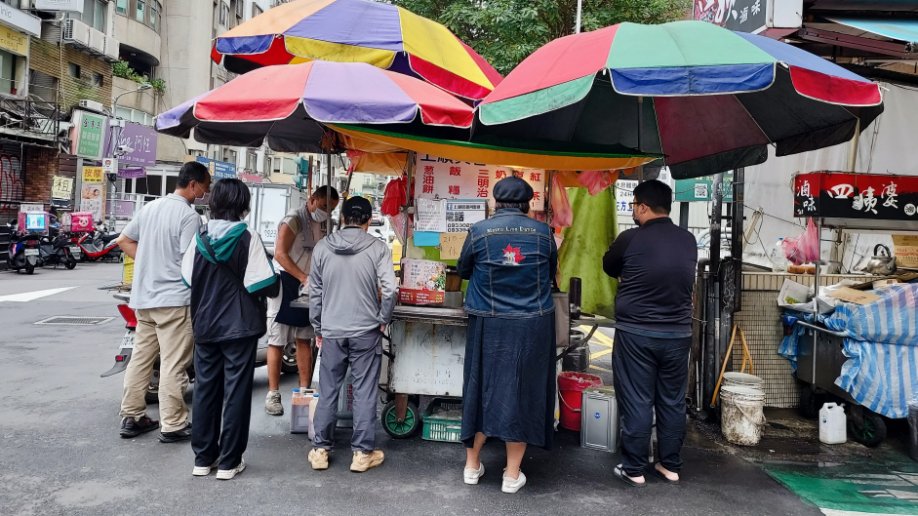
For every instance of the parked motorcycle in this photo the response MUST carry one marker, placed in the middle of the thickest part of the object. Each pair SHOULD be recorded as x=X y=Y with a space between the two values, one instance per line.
x=126 y=348
x=24 y=253
x=98 y=246
x=58 y=250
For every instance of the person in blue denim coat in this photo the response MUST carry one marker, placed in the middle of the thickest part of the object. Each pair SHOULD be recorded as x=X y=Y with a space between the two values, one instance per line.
x=509 y=378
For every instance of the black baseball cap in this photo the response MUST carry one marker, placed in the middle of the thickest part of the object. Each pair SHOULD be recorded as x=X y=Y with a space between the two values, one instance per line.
x=356 y=208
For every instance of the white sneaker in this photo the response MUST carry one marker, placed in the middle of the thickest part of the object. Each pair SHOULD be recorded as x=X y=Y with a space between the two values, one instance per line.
x=202 y=471
x=512 y=485
x=228 y=474
x=470 y=476
x=273 y=405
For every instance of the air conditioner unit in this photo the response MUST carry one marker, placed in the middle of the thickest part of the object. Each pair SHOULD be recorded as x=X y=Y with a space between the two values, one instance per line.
x=76 y=33
x=112 y=49
x=92 y=105
x=96 y=42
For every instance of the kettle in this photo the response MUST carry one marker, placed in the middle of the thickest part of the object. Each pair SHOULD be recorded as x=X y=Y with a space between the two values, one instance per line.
x=881 y=264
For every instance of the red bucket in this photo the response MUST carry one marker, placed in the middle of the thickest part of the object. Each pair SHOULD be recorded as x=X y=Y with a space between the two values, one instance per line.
x=571 y=385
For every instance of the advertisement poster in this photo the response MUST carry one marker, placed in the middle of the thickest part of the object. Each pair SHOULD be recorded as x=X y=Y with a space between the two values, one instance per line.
x=92 y=195
x=441 y=178
x=423 y=282
x=431 y=216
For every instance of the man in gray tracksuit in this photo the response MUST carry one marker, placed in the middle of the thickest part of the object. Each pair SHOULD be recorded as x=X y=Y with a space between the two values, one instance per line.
x=352 y=294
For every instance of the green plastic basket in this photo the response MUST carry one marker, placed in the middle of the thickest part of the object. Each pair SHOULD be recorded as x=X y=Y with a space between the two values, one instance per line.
x=438 y=427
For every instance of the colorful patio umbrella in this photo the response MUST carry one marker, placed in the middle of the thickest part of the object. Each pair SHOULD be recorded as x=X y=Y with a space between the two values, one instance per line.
x=287 y=105
x=708 y=99
x=357 y=30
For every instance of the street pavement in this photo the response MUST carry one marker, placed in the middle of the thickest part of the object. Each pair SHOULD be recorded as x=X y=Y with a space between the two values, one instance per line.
x=61 y=453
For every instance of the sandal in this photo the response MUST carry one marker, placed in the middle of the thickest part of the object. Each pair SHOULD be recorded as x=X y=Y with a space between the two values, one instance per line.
x=662 y=476
x=620 y=473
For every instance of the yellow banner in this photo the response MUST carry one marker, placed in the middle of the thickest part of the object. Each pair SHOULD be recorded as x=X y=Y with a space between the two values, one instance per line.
x=93 y=175
x=15 y=42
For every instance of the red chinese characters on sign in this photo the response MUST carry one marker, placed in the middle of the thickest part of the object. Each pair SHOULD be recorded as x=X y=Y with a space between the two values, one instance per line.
x=856 y=196
x=483 y=182
x=454 y=190
x=455 y=171
x=428 y=180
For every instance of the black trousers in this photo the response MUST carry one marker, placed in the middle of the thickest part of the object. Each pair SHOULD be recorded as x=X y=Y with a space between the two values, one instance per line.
x=223 y=386
x=650 y=374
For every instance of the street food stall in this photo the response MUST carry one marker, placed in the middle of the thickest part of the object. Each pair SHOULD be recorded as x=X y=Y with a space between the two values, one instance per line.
x=858 y=341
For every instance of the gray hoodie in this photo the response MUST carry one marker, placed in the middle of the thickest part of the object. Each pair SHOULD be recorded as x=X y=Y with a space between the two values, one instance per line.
x=349 y=270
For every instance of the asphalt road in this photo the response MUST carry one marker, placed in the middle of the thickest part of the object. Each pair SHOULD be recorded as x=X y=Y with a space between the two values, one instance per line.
x=61 y=454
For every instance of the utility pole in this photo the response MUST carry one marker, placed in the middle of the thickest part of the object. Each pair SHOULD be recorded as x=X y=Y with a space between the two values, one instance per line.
x=579 y=16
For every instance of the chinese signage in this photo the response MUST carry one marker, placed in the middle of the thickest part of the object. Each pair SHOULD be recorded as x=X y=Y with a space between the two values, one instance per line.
x=92 y=195
x=624 y=196
x=738 y=15
x=61 y=187
x=15 y=42
x=856 y=196
x=218 y=169
x=140 y=144
x=702 y=189
x=93 y=175
x=448 y=179
x=89 y=134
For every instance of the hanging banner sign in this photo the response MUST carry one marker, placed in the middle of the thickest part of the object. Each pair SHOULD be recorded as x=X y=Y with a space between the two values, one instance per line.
x=441 y=178
x=856 y=196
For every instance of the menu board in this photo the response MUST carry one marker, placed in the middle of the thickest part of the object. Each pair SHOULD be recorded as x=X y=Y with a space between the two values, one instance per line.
x=441 y=178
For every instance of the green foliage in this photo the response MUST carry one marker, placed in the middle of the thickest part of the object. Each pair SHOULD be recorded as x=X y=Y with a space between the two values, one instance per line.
x=123 y=69
x=506 y=31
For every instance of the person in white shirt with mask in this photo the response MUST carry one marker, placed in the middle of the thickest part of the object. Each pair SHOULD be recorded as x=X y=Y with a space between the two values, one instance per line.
x=297 y=235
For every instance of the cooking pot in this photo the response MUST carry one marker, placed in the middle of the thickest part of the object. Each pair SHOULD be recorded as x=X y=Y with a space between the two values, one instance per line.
x=881 y=264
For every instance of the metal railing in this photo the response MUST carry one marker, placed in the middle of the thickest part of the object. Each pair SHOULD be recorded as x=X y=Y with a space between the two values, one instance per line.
x=30 y=117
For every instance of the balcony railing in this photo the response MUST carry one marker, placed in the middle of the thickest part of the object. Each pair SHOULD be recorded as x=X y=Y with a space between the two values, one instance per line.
x=30 y=117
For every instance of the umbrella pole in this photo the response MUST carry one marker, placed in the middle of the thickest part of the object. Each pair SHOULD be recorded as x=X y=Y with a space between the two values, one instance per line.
x=409 y=202
x=852 y=151
x=328 y=199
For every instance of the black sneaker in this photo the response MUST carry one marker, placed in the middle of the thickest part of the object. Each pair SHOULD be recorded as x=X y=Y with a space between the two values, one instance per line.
x=177 y=436
x=131 y=427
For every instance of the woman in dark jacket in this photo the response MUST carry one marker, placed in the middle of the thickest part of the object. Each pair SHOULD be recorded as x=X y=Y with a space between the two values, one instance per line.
x=509 y=381
x=229 y=273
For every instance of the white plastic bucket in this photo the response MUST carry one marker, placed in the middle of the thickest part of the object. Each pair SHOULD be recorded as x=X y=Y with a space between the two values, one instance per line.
x=743 y=380
x=741 y=414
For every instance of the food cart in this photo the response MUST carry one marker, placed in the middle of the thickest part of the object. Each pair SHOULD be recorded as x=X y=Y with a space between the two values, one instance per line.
x=425 y=348
x=855 y=203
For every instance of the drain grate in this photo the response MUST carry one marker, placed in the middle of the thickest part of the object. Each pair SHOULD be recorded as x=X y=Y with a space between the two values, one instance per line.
x=74 y=320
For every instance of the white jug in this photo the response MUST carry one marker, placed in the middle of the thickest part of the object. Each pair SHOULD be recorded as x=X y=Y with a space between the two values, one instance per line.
x=833 y=425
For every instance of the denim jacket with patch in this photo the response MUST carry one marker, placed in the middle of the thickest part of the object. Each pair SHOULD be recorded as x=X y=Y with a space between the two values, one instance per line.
x=510 y=260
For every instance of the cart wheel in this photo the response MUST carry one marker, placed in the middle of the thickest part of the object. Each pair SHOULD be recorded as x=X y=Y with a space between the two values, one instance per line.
x=870 y=430
x=810 y=403
x=401 y=429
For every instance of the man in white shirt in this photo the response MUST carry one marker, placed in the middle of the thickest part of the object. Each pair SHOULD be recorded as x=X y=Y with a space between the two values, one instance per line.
x=156 y=239
x=297 y=235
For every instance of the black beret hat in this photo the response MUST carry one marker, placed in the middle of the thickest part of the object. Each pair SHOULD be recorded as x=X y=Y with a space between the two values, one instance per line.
x=512 y=189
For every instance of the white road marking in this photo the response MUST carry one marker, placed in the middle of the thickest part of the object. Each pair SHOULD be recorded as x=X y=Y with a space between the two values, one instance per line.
x=25 y=297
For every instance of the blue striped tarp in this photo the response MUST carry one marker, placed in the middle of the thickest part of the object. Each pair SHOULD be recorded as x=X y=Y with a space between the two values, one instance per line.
x=881 y=372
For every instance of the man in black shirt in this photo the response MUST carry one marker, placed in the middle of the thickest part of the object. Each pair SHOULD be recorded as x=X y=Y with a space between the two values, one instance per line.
x=655 y=264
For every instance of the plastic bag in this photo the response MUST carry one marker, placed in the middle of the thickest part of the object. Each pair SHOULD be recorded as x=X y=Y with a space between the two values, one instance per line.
x=561 y=214
x=803 y=248
x=395 y=196
x=596 y=181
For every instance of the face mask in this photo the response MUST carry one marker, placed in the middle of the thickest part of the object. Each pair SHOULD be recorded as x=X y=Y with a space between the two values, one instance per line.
x=201 y=199
x=319 y=215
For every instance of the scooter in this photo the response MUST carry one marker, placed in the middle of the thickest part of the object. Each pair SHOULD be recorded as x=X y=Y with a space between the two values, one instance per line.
x=97 y=246
x=24 y=251
x=126 y=348
x=58 y=251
